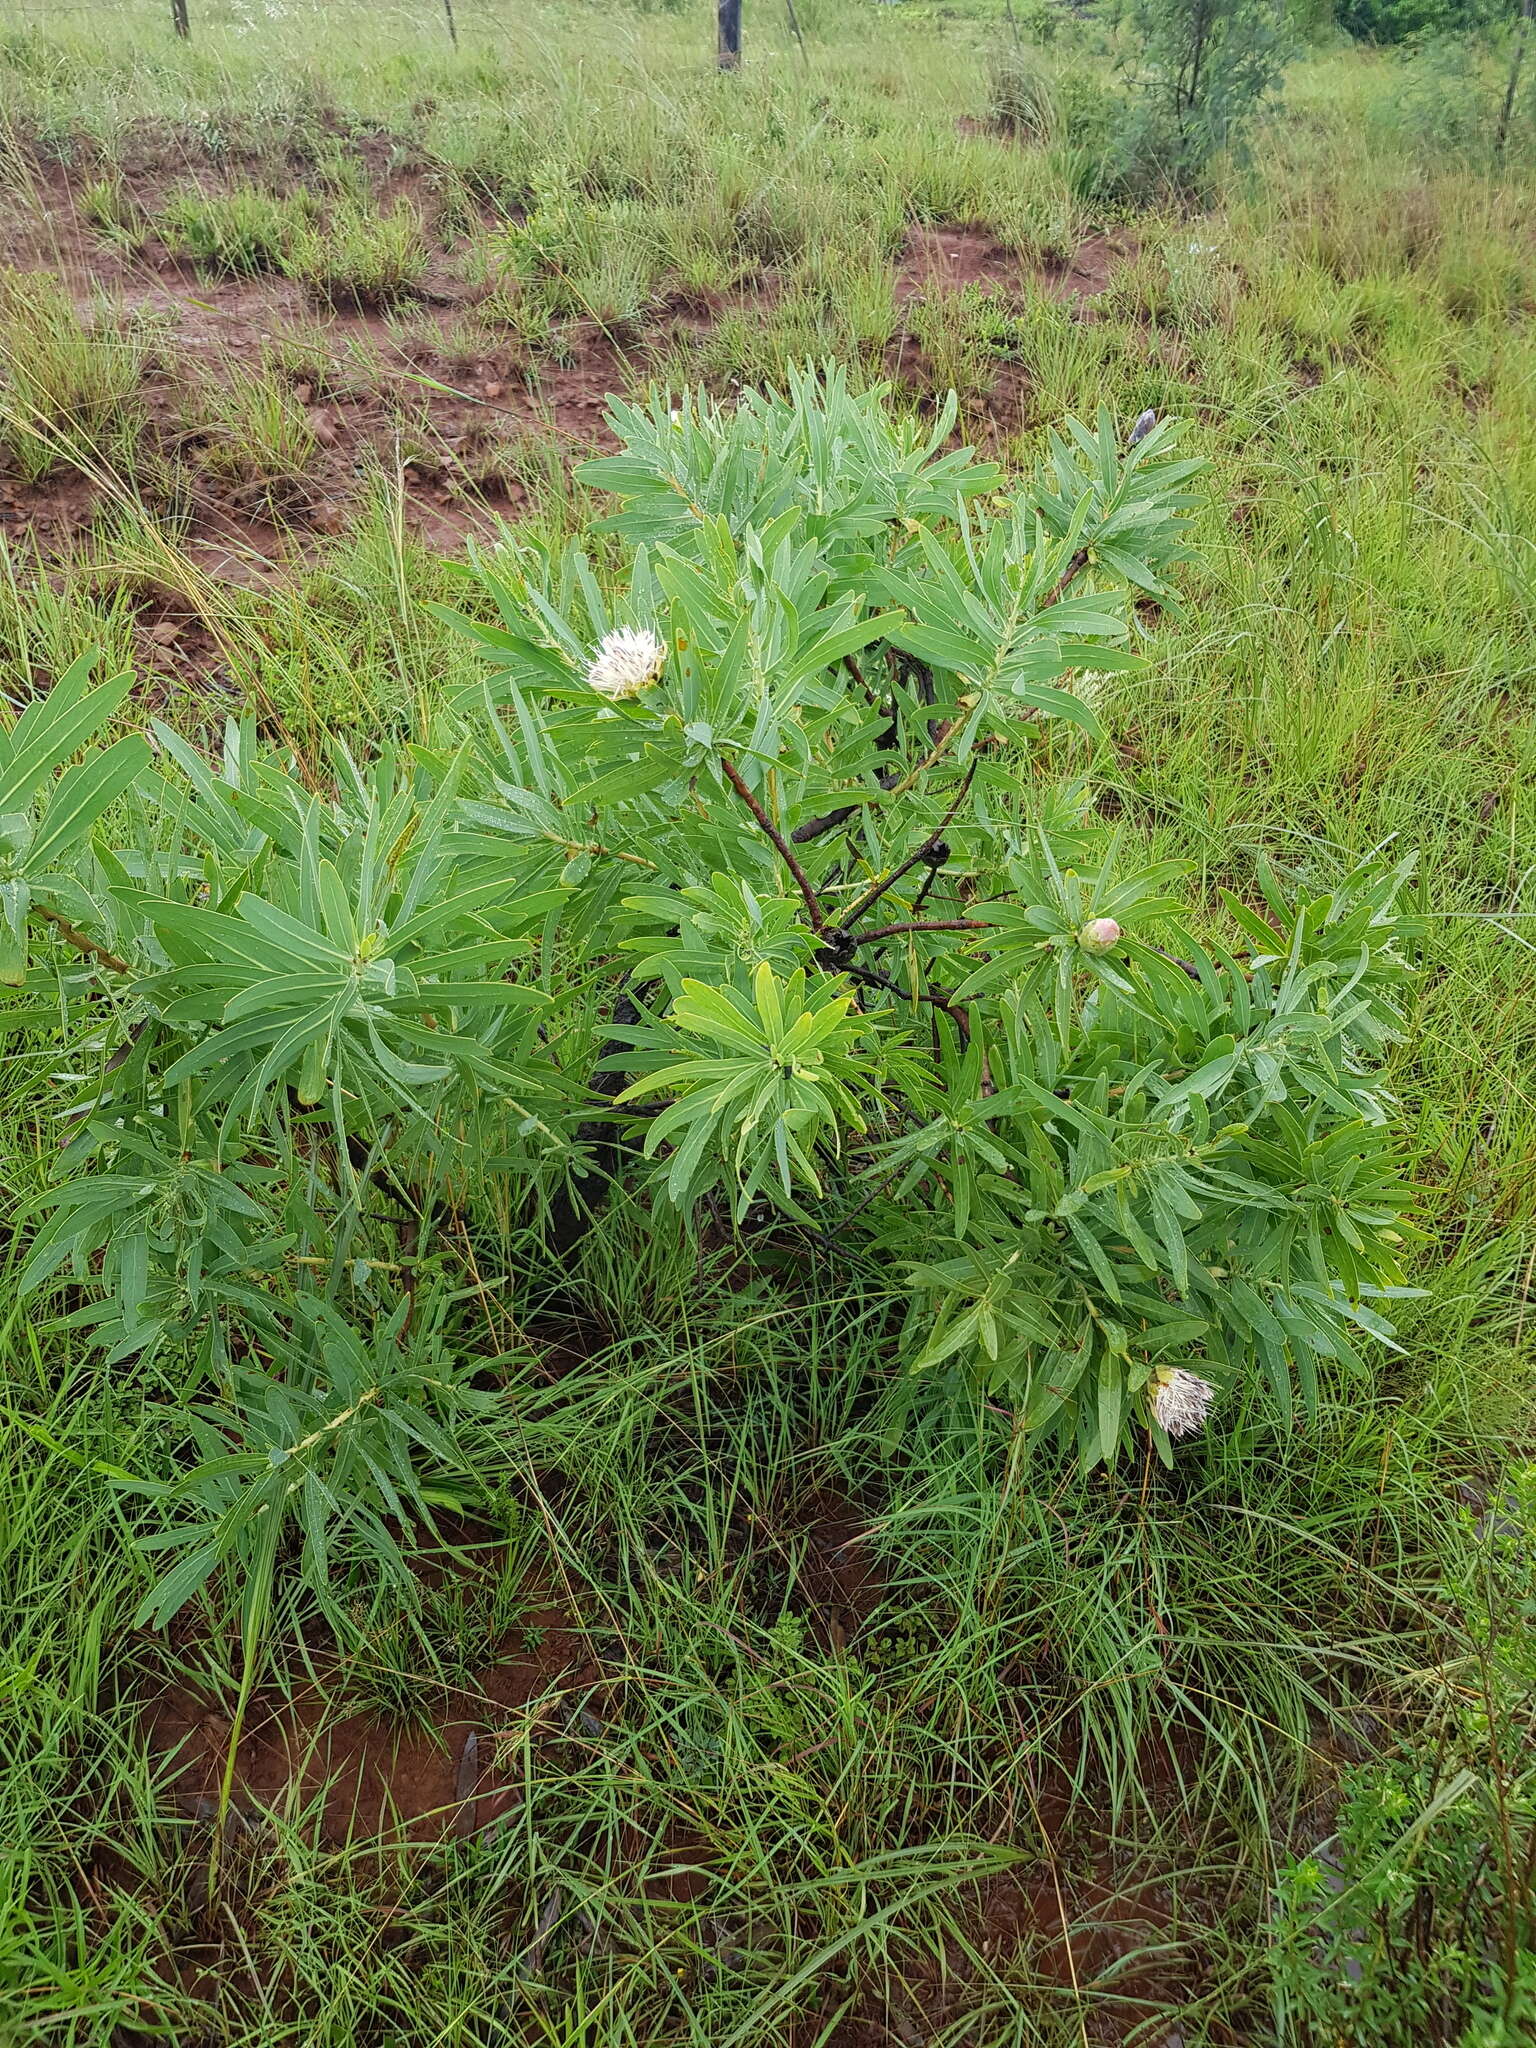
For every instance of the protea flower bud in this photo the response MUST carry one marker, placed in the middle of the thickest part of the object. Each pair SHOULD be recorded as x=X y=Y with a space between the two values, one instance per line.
x=1099 y=935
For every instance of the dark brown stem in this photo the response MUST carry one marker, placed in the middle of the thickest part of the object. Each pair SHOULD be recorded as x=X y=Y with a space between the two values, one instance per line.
x=922 y=895
x=929 y=846
x=813 y=828
x=858 y=676
x=74 y=937
x=1075 y=567
x=1188 y=966
x=890 y=782
x=892 y=931
x=867 y=977
x=781 y=845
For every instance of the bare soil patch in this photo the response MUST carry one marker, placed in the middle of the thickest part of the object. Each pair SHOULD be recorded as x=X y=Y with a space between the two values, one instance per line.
x=950 y=258
x=393 y=391
x=379 y=396
x=423 y=393
x=434 y=400
x=373 y=1776
x=1082 y=1916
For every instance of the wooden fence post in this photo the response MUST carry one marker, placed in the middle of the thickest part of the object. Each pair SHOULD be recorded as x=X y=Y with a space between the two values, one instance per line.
x=730 y=34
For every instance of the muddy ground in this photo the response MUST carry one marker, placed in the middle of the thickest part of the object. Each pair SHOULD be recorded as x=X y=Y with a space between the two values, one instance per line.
x=1089 y=1914
x=420 y=389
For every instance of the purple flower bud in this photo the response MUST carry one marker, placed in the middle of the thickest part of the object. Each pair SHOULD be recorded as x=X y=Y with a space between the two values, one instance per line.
x=1099 y=935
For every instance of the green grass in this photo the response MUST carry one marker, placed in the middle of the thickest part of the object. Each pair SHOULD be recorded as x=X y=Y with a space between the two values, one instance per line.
x=257 y=434
x=750 y=1804
x=241 y=232
x=70 y=382
x=360 y=257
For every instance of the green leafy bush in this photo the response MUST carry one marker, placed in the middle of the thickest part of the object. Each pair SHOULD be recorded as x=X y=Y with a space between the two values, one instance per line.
x=1414 y=1921
x=1401 y=21
x=1197 y=76
x=1460 y=96
x=742 y=881
x=1207 y=70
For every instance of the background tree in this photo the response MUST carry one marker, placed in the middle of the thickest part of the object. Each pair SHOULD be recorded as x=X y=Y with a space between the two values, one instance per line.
x=1207 y=69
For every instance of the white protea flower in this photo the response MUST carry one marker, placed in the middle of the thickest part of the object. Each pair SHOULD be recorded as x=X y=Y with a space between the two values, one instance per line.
x=628 y=660
x=1180 y=1400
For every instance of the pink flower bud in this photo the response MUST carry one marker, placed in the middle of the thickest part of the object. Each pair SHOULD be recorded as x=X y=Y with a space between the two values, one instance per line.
x=1099 y=935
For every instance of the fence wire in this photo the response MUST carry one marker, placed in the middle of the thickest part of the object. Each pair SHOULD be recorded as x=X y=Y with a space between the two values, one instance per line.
x=273 y=14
